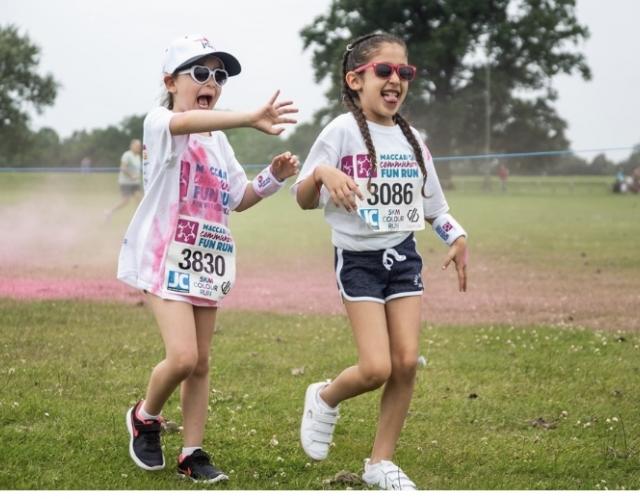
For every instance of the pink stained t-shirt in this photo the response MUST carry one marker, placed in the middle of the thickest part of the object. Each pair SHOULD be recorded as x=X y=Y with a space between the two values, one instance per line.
x=194 y=175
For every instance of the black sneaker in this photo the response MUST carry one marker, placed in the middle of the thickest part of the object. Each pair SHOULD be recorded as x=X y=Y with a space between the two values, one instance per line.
x=198 y=468
x=144 y=446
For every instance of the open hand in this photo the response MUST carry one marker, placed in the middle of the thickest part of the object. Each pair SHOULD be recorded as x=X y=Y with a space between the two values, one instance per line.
x=458 y=253
x=271 y=114
x=285 y=165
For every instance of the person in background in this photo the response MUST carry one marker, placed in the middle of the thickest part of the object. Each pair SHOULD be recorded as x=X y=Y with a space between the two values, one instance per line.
x=129 y=177
x=634 y=185
x=503 y=175
x=620 y=184
x=85 y=164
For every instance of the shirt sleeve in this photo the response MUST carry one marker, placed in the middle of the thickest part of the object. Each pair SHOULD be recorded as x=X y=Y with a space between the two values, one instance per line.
x=238 y=180
x=434 y=203
x=322 y=153
x=161 y=146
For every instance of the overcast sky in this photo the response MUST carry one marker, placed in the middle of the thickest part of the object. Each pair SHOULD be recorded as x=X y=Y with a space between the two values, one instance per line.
x=107 y=56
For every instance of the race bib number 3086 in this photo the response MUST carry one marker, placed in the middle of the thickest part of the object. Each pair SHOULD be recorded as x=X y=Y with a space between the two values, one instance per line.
x=393 y=198
x=201 y=259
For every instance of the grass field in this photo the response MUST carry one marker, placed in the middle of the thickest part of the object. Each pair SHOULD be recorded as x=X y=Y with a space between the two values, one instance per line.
x=497 y=407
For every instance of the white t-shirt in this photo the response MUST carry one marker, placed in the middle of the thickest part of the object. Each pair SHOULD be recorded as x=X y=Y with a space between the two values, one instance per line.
x=193 y=175
x=132 y=165
x=340 y=144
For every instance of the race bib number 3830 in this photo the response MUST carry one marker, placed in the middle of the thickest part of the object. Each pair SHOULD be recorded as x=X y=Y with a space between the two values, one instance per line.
x=201 y=259
x=393 y=199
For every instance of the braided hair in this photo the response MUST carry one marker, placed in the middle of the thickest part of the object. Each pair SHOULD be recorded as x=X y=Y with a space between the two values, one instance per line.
x=358 y=52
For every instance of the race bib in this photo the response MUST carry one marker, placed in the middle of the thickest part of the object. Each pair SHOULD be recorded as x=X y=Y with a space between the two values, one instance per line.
x=393 y=200
x=201 y=260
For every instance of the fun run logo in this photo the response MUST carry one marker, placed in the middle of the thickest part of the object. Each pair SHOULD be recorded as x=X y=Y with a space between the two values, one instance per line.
x=187 y=231
x=346 y=165
x=364 y=168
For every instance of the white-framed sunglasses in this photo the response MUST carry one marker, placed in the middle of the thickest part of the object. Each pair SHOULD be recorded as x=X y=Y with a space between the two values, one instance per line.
x=201 y=74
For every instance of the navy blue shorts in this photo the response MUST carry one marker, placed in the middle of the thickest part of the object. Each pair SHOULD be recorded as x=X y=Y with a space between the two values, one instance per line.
x=380 y=275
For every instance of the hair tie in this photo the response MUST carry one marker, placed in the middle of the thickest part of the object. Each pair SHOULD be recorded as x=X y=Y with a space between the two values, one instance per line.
x=349 y=47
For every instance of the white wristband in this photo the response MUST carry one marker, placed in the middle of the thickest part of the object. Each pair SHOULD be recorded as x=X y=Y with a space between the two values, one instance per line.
x=265 y=184
x=447 y=228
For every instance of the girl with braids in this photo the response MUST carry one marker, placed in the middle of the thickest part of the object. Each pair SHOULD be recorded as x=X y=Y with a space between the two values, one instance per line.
x=376 y=181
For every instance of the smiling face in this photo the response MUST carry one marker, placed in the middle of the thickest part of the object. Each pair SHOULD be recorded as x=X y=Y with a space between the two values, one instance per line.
x=189 y=94
x=380 y=99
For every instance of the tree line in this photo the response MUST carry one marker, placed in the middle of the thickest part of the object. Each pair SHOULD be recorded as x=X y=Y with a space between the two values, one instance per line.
x=484 y=83
x=104 y=146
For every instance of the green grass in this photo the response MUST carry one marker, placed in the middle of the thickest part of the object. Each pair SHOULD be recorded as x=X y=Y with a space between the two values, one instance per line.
x=69 y=371
x=552 y=231
x=536 y=185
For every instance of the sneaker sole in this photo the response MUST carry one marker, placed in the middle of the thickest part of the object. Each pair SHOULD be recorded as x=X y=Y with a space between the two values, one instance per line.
x=133 y=454
x=219 y=478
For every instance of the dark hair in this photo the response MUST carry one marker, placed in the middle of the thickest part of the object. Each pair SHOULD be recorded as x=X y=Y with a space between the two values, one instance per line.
x=359 y=52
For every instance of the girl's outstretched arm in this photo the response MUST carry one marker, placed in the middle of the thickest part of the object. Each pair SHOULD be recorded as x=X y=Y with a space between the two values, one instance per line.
x=264 y=119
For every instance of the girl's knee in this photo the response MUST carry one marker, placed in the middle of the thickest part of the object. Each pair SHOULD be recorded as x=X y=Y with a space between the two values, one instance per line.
x=405 y=366
x=183 y=363
x=202 y=367
x=375 y=374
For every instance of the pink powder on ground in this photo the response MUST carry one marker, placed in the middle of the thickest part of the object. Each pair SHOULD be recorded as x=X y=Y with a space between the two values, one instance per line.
x=499 y=295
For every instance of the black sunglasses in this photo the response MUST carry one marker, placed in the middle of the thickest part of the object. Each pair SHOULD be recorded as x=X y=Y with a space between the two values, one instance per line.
x=386 y=69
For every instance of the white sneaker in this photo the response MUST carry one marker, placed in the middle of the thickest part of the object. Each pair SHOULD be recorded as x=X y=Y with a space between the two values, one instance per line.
x=318 y=423
x=387 y=476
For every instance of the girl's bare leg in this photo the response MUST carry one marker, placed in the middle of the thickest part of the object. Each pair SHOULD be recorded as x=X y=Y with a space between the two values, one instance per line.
x=369 y=326
x=194 y=393
x=403 y=322
x=178 y=330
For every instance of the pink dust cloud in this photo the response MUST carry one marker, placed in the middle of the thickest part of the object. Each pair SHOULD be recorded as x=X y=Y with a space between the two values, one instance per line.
x=56 y=250
x=45 y=234
x=28 y=288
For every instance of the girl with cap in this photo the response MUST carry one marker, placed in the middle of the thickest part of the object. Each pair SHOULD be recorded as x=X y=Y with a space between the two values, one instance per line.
x=178 y=248
x=375 y=179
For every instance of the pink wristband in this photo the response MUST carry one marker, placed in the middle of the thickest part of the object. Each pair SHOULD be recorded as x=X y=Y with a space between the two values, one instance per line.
x=265 y=184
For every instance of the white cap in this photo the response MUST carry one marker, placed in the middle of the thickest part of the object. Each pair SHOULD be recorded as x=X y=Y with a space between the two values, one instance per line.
x=183 y=51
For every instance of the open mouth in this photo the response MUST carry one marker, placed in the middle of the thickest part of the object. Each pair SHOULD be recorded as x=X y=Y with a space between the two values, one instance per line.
x=204 y=101
x=391 y=96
